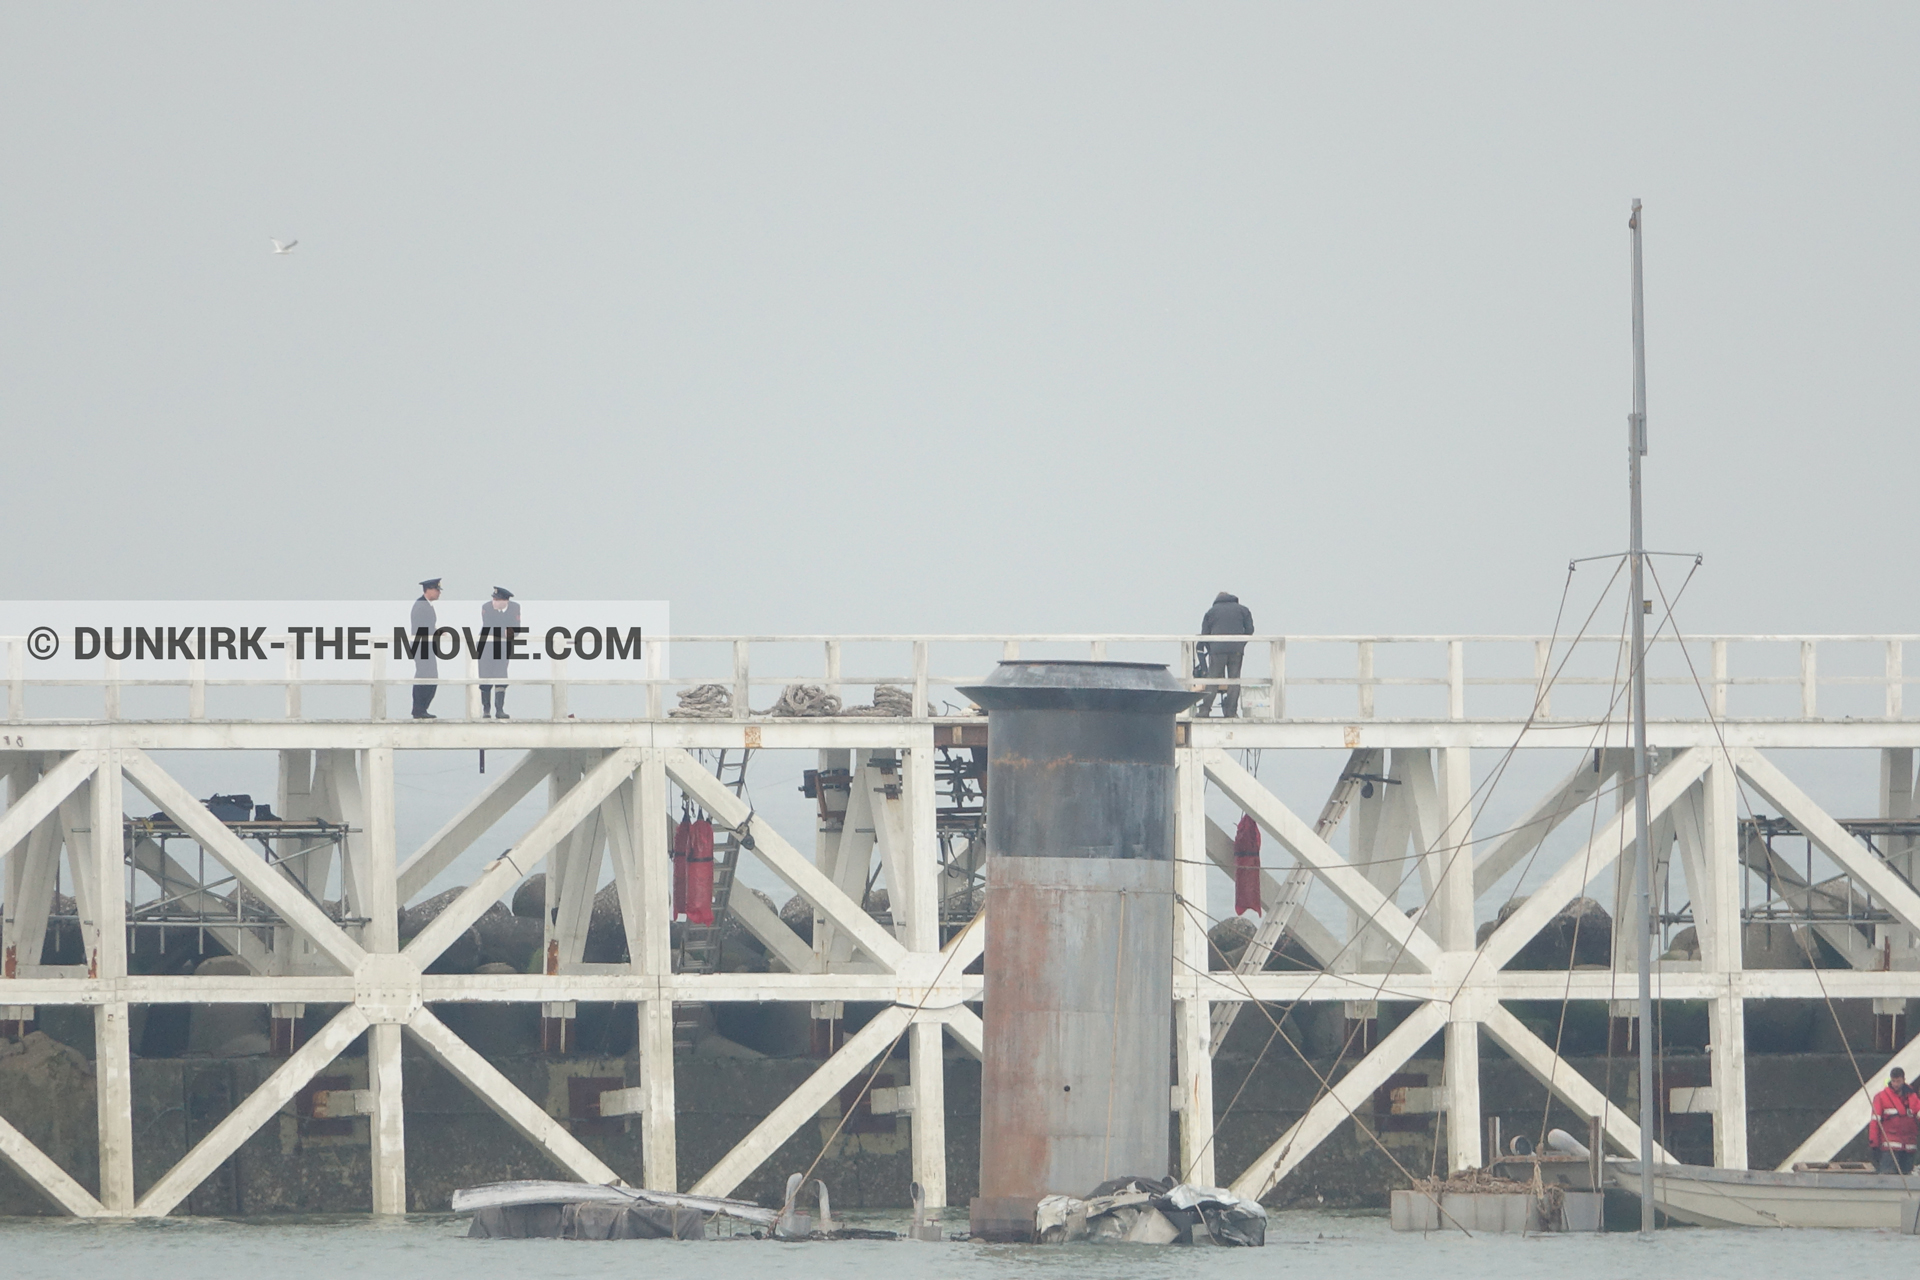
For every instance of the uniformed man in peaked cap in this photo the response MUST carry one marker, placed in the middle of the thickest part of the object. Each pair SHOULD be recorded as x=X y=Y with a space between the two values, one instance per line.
x=425 y=666
x=498 y=617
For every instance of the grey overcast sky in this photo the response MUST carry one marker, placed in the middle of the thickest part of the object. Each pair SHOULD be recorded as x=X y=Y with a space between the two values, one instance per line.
x=934 y=317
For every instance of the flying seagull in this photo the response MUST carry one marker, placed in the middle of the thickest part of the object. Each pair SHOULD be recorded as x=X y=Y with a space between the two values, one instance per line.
x=284 y=246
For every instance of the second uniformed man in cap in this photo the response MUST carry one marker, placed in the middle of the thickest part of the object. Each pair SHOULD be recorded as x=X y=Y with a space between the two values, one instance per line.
x=425 y=665
x=498 y=617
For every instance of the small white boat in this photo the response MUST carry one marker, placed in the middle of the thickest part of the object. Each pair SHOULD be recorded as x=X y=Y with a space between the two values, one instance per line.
x=1708 y=1197
x=500 y=1195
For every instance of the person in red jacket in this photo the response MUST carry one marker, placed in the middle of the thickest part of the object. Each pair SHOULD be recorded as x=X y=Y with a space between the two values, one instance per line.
x=1894 y=1131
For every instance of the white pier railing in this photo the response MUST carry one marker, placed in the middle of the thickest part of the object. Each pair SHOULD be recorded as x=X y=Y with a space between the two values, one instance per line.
x=1282 y=678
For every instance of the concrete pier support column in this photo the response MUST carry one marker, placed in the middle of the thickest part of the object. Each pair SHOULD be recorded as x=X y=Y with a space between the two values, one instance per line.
x=1193 y=1058
x=844 y=849
x=927 y=1064
x=916 y=904
x=650 y=947
x=1453 y=878
x=388 y=1122
x=1725 y=955
x=113 y=1080
x=1727 y=1025
x=1896 y=942
x=113 y=1069
x=22 y=773
x=1463 y=1094
x=380 y=895
x=659 y=1159
x=1897 y=801
x=564 y=922
x=1193 y=1011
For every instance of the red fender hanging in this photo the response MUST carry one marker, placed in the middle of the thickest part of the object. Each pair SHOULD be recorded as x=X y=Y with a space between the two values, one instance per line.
x=699 y=895
x=1246 y=866
x=682 y=846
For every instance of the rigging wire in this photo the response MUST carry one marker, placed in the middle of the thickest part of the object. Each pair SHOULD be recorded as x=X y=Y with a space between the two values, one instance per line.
x=1483 y=793
x=1573 y=953
x=952 y=949
x=1726 y=753
x=1638 y=658
x=1325 y=1081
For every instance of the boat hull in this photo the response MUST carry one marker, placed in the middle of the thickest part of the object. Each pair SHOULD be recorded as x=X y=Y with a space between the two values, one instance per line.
x=1765 y=1198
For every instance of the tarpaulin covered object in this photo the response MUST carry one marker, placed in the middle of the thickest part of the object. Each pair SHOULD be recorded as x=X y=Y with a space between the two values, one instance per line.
x=1151 y=1211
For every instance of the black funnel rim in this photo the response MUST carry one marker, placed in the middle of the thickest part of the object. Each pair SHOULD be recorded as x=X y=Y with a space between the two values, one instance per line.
x=1079 y=662
x=1081 y=684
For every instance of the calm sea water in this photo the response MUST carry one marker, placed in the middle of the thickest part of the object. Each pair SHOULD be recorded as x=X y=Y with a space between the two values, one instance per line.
x=1338 y=1247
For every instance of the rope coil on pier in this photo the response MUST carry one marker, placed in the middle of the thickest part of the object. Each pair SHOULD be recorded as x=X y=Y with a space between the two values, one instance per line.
x=704 y=702
x=889 y=701
x=804 y=700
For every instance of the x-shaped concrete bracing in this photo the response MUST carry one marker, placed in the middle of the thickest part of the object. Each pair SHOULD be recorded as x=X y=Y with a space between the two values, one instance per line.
x=621 y=793
x=1469 y=978
x=1695 y=791
x=41 y=803
x=932 y=999
x=1888 y=888
x=387 y=986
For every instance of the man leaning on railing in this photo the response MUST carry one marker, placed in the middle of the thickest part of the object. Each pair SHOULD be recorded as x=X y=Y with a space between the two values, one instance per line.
x=1228 y=617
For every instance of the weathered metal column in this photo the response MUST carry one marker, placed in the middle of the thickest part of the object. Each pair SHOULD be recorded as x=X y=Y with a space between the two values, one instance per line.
x=1076 y=1086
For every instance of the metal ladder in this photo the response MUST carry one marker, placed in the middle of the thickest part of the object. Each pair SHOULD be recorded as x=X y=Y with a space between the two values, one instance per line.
x=1361 y=765
x=700 y=943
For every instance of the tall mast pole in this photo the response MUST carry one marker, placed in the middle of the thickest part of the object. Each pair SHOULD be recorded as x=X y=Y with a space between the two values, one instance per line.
x=1643 y=864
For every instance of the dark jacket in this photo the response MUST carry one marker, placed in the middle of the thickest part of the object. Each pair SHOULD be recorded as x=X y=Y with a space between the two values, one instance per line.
x=1228 y=617
x=424 y=616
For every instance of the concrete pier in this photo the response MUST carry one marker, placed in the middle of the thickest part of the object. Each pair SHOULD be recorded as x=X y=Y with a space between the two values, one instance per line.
x=1421 y=938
